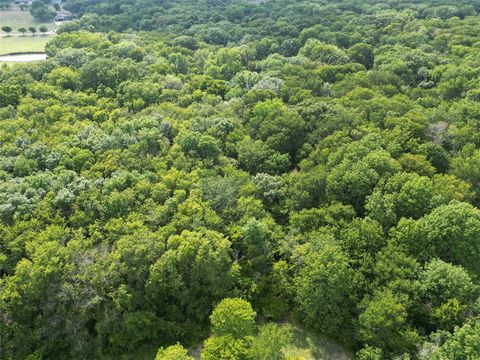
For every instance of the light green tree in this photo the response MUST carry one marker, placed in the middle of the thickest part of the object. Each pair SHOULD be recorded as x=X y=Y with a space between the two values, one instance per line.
x=233 y=316
x=173 y=352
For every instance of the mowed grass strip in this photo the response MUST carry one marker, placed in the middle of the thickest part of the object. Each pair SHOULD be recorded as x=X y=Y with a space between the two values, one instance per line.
x=27 y=43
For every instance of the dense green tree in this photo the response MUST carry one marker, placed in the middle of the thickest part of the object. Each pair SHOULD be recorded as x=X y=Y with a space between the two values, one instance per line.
x=43 y=29
x=325 y=53
x=278 y=292
x=448 y=232
x=170 y=158
x=370 y=353
x=225 y=348
x=40 y=11
x=224 y=64
x=362 y=53
x=281 y=128
x=446 y=291
x=9 y=94
x=440 y=281
x=362 y=238
x=173 y=352
x=233 y=317
x=463 y=344
x=255 y=156
x=7 y=29
x=323 y=290
x=65 y=77
x=355 y=177
x=197 y=261
x=395 y=269
x=270 y=342
x=384 y=324
x=404 y=195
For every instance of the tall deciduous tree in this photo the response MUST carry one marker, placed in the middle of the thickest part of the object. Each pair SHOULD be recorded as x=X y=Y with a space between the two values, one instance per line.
x=323 y=289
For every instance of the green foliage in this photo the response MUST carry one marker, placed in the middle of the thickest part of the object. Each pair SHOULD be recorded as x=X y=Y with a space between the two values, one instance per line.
x=233 y=317
x=383 y=324
x=270 y=342
x=235 y=336
x=43 y=29
x=280 y=128
x=191 y=276
x=319 y=160
x=279 y=292
x=7 y=30
x=65 y=77
x=362 y=53
x=173 y=352
x=446 y=291
x=448 y=232
x=464 y=343
x=9 y=94
x=362 y=238
x=323 y=290
x=40 y=11
x=358 y=177
x=225 y=348
x=325 y=53
x=370 y=353
x=395 y=269
x=406 y=195
x=441 y=281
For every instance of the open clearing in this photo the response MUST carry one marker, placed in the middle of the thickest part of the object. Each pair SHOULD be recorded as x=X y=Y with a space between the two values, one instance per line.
x=27 y=43
x=15 y=18
x=305 y=345
x=309 y=346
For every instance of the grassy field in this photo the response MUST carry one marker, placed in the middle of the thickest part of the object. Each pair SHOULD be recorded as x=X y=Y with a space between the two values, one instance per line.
x=309 y=346
x=16 y=19
x=27 y=43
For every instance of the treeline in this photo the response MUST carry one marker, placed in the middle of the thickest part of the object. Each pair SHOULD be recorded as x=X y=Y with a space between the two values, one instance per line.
x=222 y=21
x=318 y=160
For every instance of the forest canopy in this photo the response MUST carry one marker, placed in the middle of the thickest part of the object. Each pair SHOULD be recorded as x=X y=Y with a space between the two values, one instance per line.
x=195 y=177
